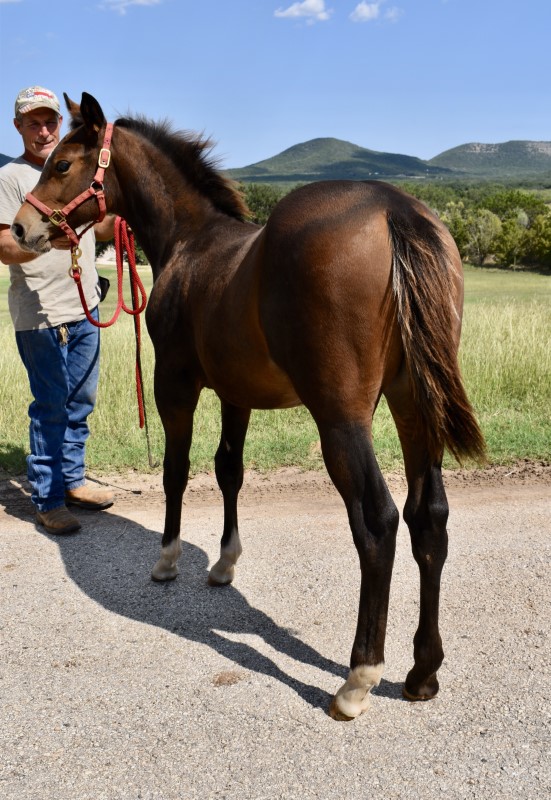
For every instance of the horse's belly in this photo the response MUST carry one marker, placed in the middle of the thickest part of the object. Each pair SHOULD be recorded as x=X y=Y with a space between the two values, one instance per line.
x=254 y=386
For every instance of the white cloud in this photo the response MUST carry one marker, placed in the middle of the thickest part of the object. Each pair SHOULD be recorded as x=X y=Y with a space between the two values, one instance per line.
x=122 y=5
x=313 y=10
x=367 y=12
x=393 y=14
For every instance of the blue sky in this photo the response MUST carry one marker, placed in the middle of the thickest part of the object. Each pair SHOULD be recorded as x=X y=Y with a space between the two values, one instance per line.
x=257 y=76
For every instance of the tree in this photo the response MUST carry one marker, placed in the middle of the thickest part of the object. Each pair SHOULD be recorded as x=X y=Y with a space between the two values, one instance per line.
x=510 y=242
x=506 y=203
x=261 y=199
x=453 y=217
x=483 y=228
x=101 y=247
x=538 y=240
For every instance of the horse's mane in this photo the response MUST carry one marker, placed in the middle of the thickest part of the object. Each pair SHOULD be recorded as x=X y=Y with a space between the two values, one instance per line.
x=190 y=154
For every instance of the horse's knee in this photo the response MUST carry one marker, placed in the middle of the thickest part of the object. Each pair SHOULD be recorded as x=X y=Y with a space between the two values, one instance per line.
x=388 y=519
x=381 y=522
x=228 y=468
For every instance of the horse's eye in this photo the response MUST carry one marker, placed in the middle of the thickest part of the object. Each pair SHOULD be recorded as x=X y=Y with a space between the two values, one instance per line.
x=62 y=166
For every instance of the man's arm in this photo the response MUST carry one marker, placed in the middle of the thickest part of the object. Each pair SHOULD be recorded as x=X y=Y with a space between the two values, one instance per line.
x=105 y=230
x=10 y=252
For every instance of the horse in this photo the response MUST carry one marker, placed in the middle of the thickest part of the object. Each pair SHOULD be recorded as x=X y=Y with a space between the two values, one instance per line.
x=351 y=291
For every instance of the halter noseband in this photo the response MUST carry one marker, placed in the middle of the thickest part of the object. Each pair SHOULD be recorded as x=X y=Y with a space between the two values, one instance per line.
x=58 y=216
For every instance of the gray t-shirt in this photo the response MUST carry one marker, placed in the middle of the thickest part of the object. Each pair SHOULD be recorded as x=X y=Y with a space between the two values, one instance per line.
x=42 y=294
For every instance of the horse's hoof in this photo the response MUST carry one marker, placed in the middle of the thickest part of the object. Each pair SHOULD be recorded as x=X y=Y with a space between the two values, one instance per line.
x=223 y=572
x=346 y=709
x=337 y=714
x=352 y=699
x=424 y=691
x=220 y=578
x=166 y=568
x=160 y=573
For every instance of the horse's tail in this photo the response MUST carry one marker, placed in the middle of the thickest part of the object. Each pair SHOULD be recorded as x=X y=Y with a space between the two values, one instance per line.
x=423 y=287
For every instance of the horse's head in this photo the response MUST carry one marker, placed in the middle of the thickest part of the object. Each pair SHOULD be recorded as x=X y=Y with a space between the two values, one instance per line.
x=67 y=173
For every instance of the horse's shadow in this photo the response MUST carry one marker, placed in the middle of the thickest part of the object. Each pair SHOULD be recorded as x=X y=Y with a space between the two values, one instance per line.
x=110 y=561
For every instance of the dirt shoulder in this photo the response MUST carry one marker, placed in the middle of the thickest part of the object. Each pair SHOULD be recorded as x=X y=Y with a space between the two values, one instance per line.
x=290 y=485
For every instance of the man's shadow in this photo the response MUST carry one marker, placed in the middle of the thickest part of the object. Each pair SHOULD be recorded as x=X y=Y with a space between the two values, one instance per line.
x=110 y=560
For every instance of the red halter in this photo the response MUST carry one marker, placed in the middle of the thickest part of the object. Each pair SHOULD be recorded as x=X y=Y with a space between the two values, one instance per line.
x=59 y=216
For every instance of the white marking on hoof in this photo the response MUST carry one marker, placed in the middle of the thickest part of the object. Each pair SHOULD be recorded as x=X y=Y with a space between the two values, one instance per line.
x=223 y=572
x=166 y=567
x=352 y=699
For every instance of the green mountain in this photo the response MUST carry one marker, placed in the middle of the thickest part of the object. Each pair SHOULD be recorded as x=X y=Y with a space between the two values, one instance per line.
x=321 y=159
x=329 y=159
x=509 y=159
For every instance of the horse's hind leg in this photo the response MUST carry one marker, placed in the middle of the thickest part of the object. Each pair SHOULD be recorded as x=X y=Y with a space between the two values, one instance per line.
x=373 y=518
x=426 y=514
x=229 y=474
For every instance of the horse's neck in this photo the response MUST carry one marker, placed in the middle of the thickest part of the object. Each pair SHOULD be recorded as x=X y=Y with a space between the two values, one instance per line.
x=160 y=206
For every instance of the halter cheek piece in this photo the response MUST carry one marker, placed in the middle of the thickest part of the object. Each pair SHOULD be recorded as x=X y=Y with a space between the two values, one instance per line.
x=58 y=216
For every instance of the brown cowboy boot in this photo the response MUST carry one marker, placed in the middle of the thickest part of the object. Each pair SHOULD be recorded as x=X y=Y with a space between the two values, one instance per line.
x=58 y=521
x=90 y=498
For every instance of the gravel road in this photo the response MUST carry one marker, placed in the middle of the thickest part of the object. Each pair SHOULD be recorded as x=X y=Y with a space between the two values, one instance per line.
x=114 y=687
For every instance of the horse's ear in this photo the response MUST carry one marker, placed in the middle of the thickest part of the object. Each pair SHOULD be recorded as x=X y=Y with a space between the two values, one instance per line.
x=74 y=110
x=90 y=112
x=72 y=107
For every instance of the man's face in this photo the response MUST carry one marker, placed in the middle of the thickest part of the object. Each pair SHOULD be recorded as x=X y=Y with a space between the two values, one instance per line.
x=40 y=130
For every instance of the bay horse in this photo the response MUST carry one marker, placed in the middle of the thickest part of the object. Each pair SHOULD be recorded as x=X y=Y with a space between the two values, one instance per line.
x=352 y=290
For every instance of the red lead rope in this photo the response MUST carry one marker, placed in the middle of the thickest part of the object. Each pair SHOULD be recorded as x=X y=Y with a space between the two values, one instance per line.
x=124 y=242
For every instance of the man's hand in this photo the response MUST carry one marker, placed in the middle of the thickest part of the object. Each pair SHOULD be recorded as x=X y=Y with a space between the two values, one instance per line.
x=62 y=243
x=105 y=230
x=10 y=252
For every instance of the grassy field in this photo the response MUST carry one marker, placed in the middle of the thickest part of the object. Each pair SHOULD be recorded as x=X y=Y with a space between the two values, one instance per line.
x=505 y=356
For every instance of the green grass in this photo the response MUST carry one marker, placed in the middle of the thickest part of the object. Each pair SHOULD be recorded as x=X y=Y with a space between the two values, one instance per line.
x=505 y=356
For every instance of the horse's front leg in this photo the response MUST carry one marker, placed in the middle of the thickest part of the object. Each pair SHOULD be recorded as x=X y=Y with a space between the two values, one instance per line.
x=178 y=426
x=229 y=474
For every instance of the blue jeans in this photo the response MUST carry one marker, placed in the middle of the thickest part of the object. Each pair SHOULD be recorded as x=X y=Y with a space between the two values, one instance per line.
x=63 y=376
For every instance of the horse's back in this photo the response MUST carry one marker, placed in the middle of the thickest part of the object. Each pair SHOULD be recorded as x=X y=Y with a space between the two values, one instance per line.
x=338 y=202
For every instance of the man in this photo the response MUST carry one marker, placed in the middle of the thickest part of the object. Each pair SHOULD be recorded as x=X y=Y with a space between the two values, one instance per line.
x=58 y=346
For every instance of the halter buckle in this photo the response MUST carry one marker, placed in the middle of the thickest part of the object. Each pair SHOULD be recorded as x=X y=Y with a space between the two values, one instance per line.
x=57 y=217
x=104 y=158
